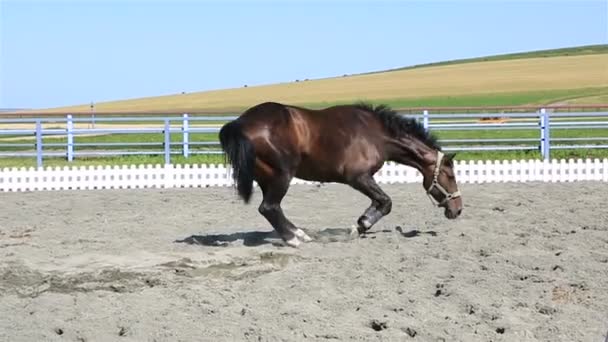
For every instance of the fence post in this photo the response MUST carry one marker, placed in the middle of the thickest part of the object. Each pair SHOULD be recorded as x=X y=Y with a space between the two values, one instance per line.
x=38 y=143
x=185 y=129
x=425 y=119
x=167 y=142
x=70 y=134
x=541 y=124
x=545 y=136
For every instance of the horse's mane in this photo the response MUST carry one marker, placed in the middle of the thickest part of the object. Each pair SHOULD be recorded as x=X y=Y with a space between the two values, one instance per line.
x=399 y=125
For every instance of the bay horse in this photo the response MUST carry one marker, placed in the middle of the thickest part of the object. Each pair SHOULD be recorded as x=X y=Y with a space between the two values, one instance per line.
x=272 y=142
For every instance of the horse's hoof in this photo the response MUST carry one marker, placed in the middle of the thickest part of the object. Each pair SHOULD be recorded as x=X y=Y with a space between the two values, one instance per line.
x=354 y=231
x=300 y=234
x=293 y=242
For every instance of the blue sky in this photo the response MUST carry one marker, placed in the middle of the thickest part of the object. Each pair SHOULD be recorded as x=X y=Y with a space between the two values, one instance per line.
x=56 y=53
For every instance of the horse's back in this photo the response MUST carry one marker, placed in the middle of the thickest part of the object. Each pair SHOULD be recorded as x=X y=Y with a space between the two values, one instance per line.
x=265 y=113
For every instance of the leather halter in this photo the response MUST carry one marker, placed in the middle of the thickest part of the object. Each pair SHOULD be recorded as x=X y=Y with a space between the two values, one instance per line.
x=435 y=184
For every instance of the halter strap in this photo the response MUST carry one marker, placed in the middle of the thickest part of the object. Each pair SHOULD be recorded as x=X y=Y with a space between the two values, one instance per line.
x=435 y=184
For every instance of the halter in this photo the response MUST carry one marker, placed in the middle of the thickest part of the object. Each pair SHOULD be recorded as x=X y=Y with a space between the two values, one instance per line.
x=435 y=184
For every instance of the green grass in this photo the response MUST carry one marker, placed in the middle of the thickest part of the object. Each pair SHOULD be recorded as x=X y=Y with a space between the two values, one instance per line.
x=533 y=155
x=524 y=133
x=111 y=161
x=530 y=98
x=219 y=159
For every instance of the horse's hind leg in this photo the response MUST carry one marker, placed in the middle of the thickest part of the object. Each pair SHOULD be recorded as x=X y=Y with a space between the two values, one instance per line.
x=274 y=189
x=381 y=203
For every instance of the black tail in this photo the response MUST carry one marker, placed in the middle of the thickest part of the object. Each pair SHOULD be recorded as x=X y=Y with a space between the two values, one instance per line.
x=241 y=154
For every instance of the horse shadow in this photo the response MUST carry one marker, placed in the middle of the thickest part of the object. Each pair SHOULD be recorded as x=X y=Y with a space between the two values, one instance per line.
x=250 y=239
x=256 y=238
x=414 y=232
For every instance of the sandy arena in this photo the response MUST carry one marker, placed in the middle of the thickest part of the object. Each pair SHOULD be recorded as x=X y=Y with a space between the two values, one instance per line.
x=524 y=262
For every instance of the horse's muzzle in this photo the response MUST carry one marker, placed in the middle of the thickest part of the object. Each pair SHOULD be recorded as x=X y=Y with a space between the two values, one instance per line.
x=452 y=213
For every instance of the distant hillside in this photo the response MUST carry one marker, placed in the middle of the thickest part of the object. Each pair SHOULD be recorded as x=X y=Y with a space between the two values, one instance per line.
x=11 y=109
x=537 y=77
x=570 y=51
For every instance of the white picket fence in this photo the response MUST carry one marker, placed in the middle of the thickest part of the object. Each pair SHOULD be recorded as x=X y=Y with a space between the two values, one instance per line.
x=170 y=176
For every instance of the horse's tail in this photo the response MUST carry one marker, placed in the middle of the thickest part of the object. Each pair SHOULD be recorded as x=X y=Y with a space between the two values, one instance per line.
x=241 y=154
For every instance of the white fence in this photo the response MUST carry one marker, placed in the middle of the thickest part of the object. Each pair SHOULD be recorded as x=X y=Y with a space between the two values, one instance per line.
x=170 y=176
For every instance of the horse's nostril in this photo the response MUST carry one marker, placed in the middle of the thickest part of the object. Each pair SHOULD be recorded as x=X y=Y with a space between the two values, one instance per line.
x=459 y=211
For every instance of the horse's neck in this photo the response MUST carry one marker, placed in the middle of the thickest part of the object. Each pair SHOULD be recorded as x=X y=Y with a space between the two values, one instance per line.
x=411 y=152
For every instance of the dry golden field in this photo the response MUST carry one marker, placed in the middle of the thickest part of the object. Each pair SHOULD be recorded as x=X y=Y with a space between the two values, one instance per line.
x=479 y=78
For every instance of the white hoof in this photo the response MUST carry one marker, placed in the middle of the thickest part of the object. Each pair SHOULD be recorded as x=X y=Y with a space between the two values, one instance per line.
x=354 y=231
x=302 y=235
x=293 y=242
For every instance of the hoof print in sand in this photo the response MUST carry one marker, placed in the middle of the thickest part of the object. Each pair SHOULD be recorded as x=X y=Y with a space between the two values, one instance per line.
x=470 y=309
x=378 y=326
x=410 y=332
x=440 y=291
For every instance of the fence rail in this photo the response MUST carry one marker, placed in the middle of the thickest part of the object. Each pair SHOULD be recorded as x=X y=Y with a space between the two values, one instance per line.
x=187 y=176
x=29 y=137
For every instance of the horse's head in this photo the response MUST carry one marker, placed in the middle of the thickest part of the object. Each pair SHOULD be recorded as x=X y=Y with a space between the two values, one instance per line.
x=440 y=184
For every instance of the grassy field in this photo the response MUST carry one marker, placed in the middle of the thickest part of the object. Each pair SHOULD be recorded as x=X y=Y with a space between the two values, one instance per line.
x=533 y=78
x=218 y=159
x=590 y=99
x=538 y=97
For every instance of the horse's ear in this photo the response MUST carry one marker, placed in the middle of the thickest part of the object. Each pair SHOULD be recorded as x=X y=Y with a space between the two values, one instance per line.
x=450 y=156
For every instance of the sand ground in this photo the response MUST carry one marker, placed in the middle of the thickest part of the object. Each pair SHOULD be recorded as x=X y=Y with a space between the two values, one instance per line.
x=524 y=262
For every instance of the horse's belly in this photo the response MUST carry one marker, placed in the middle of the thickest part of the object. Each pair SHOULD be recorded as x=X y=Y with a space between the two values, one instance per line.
x=318 y=171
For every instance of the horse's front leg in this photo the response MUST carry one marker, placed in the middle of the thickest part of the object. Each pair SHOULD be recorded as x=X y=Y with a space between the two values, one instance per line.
x=369 y=217
x=381 y=203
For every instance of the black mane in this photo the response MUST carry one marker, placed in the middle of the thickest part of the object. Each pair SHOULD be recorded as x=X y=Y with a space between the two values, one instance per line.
x=398 y=125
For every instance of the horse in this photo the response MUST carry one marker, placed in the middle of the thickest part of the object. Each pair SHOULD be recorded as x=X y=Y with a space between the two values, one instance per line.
x=271 y=143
